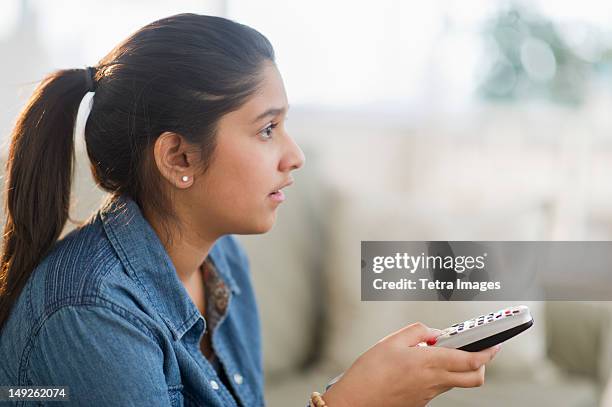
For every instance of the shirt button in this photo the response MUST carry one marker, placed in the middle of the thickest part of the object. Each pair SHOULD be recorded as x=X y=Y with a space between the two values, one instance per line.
x=214 y=385
x=238 y=378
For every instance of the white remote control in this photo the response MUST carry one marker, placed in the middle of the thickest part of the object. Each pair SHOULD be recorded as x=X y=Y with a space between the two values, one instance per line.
x=485 y=331
x=479 y=333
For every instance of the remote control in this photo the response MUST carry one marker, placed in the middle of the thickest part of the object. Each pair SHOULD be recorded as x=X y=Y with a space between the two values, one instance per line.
x=485 y=331
x=479 y=333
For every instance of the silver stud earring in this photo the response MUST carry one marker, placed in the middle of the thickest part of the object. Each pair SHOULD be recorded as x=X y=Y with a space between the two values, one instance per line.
x=185 y=178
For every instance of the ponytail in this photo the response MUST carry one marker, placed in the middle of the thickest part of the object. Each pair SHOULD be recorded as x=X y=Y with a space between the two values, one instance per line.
x=39 y=173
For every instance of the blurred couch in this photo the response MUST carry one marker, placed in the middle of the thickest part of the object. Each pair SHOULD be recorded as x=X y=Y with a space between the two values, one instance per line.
x=307 y=277
x=356 y=187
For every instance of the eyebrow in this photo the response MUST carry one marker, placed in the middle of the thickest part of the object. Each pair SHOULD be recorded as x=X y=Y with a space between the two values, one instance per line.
x=271 y=112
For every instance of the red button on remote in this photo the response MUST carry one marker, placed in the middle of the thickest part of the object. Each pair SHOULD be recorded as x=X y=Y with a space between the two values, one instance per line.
x=432 y=341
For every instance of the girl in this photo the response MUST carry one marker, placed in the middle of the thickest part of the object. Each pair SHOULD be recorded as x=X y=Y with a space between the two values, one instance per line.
x=150 y=301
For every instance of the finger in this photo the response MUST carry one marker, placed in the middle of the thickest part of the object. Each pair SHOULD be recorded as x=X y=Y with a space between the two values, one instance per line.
x=415 y=333
x=454 y=360
x=474 y=378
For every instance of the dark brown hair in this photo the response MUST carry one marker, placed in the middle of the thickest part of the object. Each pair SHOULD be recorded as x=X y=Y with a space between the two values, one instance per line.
x=178 y=74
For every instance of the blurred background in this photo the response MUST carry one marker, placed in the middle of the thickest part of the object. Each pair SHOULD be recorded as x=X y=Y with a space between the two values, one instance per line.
x=440 y=120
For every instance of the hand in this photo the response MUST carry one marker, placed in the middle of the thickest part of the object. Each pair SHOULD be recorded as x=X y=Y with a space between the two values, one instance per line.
x=397 y=373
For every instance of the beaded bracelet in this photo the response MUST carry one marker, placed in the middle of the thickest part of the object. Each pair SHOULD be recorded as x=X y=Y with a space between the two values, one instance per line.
x=316 y=400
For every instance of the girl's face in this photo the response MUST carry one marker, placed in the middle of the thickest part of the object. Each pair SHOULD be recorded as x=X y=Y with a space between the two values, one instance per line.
x=254 y=157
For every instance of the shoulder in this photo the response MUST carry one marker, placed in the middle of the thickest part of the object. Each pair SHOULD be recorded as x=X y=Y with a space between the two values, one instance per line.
x=76 y=266
x=71 y=273
x=82 y=269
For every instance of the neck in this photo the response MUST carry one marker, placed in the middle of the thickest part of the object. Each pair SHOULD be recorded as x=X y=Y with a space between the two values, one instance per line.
x=187 y=253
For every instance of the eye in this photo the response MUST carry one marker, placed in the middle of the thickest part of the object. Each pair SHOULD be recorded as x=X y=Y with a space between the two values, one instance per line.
x=266 y=133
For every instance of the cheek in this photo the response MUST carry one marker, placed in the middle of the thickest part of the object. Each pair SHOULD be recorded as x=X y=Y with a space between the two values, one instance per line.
x=241 y=199
x=237 y=186
x=245 y=175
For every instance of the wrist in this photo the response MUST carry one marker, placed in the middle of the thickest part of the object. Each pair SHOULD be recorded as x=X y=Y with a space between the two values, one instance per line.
x=335 y=397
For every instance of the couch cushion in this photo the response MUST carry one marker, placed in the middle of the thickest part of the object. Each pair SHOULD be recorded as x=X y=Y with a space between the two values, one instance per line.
x=580 y=337
x=353 y=325
x=566 y=391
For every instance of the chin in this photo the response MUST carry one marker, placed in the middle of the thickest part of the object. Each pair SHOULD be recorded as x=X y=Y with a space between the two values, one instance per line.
x=266 y=226
x=263 y=225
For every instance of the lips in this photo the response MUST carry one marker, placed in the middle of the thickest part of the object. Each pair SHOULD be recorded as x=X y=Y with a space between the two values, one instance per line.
x=278 y=189
x=277 y=195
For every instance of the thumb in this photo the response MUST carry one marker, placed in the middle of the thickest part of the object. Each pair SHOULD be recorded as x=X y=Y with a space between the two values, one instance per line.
x=416 y=333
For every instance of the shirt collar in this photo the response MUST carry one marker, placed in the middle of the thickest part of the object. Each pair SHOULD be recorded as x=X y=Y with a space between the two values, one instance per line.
x=146 y=260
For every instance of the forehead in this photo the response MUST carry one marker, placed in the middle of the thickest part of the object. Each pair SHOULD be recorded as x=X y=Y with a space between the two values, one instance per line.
x=270 y=94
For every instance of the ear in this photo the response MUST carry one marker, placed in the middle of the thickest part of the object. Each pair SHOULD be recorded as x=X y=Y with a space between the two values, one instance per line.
x=175 y=158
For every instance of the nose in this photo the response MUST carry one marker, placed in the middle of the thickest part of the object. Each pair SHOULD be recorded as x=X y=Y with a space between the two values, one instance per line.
x=293 y=158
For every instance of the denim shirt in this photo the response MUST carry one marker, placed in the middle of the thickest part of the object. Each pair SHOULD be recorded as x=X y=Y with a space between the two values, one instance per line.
x=106 y=315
